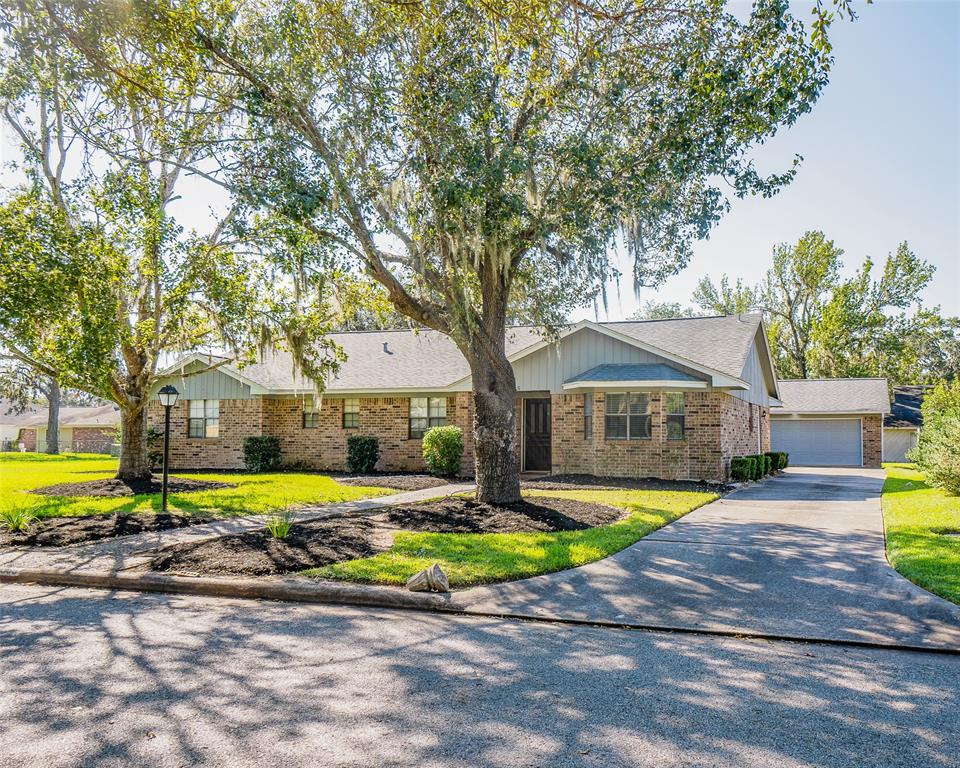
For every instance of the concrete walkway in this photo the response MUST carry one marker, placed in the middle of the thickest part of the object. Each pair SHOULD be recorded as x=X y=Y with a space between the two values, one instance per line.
x=126 y=552
x=800 y=555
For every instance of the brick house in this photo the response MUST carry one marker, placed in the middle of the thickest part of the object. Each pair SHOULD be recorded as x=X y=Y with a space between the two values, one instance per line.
x=89 y=429
x=666 y=398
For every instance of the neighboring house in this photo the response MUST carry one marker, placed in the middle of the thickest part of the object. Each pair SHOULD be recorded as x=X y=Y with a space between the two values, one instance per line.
x=901 y=426
x=13 y=422
x=82 y=430
x=671 y=398
x=831 y=422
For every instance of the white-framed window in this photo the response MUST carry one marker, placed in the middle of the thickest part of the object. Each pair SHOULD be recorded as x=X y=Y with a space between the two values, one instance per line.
x=204 y=419
x=351 y=412
x=676 y=415
x=427 y=412
x=627 y=416
x=311 y=419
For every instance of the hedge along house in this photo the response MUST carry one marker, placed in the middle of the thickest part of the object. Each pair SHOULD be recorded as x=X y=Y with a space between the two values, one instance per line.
x=667 y=398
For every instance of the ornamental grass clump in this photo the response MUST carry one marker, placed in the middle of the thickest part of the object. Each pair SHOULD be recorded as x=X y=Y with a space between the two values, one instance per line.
x=279 y=524
x=17 y=516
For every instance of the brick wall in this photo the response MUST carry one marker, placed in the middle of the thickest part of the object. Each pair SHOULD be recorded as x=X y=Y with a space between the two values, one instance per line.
x=739 y=435
x=29 y=439
x=324 y=447
x=872 y=441
x=239 y=419
x=93 y=439
x=702 y=454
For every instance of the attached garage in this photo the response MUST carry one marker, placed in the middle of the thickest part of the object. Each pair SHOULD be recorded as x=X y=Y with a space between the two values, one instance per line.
x=830 y=422
x=819 y=442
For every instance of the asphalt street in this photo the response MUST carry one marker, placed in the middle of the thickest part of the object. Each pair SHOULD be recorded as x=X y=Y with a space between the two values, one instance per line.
x=103 y=679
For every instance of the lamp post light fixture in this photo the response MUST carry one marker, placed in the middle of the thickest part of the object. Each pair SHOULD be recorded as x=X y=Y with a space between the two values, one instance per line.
x=168 y=398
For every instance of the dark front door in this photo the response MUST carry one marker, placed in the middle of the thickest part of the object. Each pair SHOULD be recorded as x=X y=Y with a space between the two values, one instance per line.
x=536 y=435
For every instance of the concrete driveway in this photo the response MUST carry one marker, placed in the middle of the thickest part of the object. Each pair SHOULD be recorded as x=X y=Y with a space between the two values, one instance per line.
x=800 y=555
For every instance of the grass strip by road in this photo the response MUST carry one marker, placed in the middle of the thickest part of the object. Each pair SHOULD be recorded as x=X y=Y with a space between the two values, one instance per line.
x=479 y=558
x=253 y=494
x=919 y=520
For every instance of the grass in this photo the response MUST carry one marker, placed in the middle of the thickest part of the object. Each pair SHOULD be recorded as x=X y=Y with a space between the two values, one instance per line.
x=254 y=493
x=478 y=558
x=916 y=517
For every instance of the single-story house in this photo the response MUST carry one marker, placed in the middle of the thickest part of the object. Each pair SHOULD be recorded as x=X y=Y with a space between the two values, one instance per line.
x=661 y=398
x=82 y=429
x=901 y=427
x=667 y=398
x=831 y=422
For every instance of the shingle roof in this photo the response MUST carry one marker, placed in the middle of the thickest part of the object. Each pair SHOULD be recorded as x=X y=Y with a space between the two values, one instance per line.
x=426 y=359
x=905 y=410
x=633 y=372
x=833 y=396
x=70 y=416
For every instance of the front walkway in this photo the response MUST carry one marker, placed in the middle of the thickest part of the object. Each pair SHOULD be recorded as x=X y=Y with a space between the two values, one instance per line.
x=800 y=555
x=126 y=552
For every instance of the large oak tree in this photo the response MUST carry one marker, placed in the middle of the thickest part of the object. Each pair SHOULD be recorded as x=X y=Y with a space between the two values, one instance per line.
x=481 y=160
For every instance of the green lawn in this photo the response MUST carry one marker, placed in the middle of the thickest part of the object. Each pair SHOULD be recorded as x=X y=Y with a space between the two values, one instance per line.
x=916 y=517
x=19 y=473
x=477 y=558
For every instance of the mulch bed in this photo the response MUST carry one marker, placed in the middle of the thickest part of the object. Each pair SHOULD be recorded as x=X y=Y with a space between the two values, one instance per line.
x=401 y=482
x=332 y=540
x=114 y=488
x=63 y=531
x=528 y=516
x=257 y=553
x=592 y=483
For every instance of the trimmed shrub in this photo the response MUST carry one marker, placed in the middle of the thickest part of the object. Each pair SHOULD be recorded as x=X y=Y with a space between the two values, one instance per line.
x=741 y=468
x=363 y=452
x=443 y=450
x=261 y=453
x=767 y=463
x=783 y=459
x=757 y=465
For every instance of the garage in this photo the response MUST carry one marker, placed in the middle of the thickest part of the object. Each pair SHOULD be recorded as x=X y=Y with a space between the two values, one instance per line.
x=819 y=442
x=830 y=422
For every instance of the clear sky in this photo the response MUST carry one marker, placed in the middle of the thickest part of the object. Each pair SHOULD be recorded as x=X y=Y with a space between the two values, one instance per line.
x=881 y=165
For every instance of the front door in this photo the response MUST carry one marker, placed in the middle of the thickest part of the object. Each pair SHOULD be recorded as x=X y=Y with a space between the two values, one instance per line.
x=536 y=435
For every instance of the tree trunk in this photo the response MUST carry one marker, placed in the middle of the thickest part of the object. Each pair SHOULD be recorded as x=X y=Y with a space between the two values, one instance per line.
x=134 y=464
x=495 y=433
x=53 y=417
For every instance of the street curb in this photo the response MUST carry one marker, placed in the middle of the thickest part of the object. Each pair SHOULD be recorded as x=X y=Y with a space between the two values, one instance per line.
x=369 y=596
x=300 y=590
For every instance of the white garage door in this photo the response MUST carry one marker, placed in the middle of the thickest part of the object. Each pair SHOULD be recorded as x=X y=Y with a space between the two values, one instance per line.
x=818 y=442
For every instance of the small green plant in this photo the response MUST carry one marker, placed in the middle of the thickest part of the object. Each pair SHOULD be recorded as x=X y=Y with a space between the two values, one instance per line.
x=443 y=450
x=279 y=524
x=767 y=463
x=363 y=452
x=17 y=516
x=742 y=468
x=758 y=465
x=784 y=459
x=261 y=453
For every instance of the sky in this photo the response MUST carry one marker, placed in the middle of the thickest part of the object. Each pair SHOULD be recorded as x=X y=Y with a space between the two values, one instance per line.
x=881 y=164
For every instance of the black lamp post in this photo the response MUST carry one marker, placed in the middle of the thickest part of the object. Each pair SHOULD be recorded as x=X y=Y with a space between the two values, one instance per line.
x=168 y=398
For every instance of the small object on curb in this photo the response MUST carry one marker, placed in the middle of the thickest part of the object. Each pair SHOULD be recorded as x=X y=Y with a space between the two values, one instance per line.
x=431 y=579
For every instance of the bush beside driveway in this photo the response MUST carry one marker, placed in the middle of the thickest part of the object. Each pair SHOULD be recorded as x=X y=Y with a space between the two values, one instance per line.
x=923 y=531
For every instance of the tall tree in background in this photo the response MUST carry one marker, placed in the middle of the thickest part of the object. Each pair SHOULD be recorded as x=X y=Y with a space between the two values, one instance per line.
x=98 y=280
x=479 y=160
x=820 y=324
x=22 y=386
